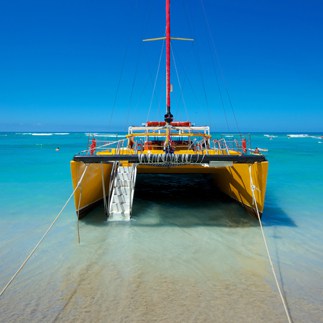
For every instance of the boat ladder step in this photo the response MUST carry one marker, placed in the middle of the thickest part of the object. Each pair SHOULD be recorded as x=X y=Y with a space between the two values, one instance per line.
x=123 y=190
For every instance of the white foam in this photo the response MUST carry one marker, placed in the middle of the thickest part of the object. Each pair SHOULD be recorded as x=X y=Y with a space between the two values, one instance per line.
x=105 y=135
x=302 y=135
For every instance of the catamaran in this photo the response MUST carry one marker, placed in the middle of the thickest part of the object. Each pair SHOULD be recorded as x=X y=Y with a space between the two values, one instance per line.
x=106 y=171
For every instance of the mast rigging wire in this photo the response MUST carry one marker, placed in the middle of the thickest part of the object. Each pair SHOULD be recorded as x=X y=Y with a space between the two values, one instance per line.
x=155 y=82
x=179 y=84
x=219 y=65
x=118 y=86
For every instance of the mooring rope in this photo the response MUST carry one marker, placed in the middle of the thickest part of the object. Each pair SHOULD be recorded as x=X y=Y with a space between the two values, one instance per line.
x=253 y=188
x=78 y=218
x=103 y=191
x=43 y=237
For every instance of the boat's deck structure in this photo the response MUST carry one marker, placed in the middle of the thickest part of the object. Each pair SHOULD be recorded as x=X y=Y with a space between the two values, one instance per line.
x=188 y=145
x=159 y=148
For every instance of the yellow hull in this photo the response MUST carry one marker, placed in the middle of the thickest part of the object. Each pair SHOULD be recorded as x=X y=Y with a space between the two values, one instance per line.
x=232 y=180
x=235 y=182
x=90 y=191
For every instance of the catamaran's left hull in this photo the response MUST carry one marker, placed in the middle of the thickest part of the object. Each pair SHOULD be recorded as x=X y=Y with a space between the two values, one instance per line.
x=94 y=184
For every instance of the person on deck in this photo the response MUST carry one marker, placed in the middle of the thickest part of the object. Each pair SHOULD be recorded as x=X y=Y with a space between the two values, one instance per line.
x=93 y=146
x=131 y=143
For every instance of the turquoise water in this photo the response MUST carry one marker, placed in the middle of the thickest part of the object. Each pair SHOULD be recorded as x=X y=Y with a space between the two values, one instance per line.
x=187 y=255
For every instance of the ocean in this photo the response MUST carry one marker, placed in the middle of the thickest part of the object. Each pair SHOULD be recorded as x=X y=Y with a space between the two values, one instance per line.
x=187 y=255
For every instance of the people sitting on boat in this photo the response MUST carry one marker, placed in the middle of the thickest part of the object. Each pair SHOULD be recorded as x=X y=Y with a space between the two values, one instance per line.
x=244 y=145
x=139 y=146
x=256 y=151
x=93 y=146
x=131 y=143
x=169 y=149
x=148 y=145
x=195 y=145
x=205 y=145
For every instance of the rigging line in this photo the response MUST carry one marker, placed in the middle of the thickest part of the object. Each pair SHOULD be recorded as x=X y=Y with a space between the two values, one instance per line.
x=133 y=85
x=119 y=80
x=214 y=66
x=190 y=25
x=189 y=19
x=179 y=84
x=118 y=86
x=253 y=188
x=146 y=13
x=199 y=68
x=155 y=82
x=192 y=31
x=44 y=235
x=103 y=191
x=190 y=85
x=78 y=218
x=197 y=58
x=219 y=65
x=222 y=102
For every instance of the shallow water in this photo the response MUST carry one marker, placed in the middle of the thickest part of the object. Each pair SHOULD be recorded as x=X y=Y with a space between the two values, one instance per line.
x=186 y=255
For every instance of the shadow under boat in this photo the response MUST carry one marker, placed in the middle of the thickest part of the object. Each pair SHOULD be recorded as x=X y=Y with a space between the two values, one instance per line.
x=188 y=200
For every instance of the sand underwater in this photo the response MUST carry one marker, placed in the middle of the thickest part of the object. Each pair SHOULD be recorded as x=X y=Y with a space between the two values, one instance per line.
x=187 y=255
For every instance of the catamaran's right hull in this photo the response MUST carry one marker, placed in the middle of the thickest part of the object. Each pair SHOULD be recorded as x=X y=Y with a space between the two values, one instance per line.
x=245 y=183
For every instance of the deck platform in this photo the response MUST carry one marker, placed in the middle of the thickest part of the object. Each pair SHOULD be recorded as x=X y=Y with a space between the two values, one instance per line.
x=194 y=158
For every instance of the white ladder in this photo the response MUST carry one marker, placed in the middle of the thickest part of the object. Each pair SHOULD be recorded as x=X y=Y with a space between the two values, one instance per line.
x=121 y=200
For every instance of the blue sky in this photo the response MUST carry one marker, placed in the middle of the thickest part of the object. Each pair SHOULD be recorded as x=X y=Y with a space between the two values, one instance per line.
x=254 y=65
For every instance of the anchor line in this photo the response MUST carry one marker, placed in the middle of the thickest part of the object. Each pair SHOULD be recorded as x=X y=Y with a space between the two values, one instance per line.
x=78 y=218
x=253 y=188
x=44 y=235
x=103 y=191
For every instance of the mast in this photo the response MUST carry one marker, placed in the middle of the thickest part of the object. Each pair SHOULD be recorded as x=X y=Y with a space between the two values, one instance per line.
x=168 y=115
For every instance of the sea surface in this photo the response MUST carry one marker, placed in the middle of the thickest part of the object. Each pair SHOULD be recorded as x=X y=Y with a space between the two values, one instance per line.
x=187 y=255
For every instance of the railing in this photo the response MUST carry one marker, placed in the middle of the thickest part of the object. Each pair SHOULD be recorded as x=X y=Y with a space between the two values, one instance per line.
x=132 y=184
x=222 y=146
x=225 y=146
x=116 y=146
x=113 y=175
x=170 y=159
